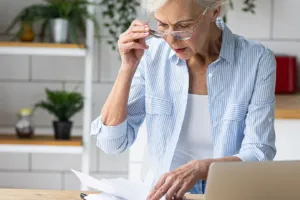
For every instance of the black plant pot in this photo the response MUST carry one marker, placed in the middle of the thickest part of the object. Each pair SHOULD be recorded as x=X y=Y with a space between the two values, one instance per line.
x=62 y=130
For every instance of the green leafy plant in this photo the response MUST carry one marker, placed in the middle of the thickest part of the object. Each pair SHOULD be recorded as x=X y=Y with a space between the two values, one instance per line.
x=120 y=14
x=249 y=6
x=62 y=104
x=75 y=11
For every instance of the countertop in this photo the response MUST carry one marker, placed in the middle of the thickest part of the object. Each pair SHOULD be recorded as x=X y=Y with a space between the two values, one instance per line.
x=287 y=106
x=24 y=194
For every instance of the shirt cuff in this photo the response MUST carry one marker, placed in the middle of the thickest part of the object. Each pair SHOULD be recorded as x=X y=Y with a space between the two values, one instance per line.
x=112 y=132
x=246 y=156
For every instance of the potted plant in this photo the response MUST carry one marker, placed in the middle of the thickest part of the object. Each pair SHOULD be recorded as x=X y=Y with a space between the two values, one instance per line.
x=65 y=19
x=25 y=19
x=63 y=105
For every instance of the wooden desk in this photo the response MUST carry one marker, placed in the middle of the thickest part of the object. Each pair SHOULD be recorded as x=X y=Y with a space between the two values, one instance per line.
x=23 y=194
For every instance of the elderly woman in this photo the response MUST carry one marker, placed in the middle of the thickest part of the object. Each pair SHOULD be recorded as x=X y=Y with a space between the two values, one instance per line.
x=207 y=96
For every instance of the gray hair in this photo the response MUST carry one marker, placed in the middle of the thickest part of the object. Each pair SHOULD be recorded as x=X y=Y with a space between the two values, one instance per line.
x=152 y=5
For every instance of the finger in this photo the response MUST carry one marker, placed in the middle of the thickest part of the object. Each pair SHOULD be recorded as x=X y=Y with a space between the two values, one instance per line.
x=161 y=181
x=171 y=193
x=180 y=194
x=157 y=186
x=142 y=28
x=137 y=22
x=131 y=45
x=160 y=192
x=134 y=36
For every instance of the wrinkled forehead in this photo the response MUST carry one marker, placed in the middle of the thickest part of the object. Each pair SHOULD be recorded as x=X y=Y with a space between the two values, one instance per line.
x=176 y=10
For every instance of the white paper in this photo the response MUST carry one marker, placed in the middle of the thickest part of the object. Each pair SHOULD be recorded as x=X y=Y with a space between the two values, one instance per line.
x=114 y=189
x=102 y=196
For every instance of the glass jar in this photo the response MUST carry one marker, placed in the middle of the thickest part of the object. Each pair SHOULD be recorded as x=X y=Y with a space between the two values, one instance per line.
x=24 y=127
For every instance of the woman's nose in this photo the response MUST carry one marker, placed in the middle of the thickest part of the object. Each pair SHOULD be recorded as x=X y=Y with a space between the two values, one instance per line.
x=171 y=39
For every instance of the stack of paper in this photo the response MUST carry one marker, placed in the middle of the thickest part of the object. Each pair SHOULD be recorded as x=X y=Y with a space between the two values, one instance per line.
x=114 y=189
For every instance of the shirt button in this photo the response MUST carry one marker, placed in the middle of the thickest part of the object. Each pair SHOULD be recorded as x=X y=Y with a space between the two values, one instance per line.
x=210 y=75
x=270 y=119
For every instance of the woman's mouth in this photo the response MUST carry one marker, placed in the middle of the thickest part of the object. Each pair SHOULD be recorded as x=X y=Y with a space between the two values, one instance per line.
x=180 y=50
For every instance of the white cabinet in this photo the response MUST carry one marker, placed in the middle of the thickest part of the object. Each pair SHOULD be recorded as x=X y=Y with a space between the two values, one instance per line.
x=138 y=158
x=287 y=139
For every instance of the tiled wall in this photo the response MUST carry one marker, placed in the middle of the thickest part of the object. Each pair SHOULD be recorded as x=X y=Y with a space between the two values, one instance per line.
x=275 y=24
x=22 y=83
x=23 y=79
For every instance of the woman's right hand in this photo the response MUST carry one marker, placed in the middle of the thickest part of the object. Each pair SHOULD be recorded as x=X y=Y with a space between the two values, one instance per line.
x=132 y=44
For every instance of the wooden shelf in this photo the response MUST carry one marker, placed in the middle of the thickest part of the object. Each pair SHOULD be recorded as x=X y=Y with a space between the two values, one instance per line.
x=40 y=144
x=288 y=106
x=39 y=44
x=39 y=140
x=46 y=49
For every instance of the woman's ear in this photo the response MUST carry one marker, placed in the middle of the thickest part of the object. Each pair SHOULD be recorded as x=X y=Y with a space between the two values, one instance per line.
x=216 y=13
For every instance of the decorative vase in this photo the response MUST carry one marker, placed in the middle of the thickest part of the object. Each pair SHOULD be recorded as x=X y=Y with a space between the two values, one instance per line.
x=62 y=130
x=27 y=34
x=59 y=30
x=24 y=127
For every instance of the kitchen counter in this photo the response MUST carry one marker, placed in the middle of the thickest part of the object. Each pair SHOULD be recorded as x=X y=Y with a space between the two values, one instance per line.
x=288 y=106
x=23 y=194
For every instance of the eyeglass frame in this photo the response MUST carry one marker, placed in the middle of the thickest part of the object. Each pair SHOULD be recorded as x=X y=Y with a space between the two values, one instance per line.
x=164 y=34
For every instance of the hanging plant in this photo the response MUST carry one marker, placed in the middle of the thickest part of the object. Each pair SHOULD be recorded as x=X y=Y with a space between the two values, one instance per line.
x=120 y=14
x=249 y=6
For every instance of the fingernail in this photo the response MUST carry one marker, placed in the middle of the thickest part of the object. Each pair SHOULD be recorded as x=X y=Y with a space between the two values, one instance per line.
x=146 y=33
x=146 y=28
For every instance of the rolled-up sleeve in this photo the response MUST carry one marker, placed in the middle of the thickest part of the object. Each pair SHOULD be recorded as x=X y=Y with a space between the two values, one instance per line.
x=259 y=135
x=116 y=139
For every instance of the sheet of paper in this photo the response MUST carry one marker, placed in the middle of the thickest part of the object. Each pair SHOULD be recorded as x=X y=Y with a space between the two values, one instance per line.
x=119 y=187
x=103 y=196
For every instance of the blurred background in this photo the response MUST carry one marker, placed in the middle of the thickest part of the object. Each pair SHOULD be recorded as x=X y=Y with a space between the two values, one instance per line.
x=37 y=158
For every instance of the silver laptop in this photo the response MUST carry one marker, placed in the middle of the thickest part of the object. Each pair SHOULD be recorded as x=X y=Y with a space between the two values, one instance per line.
x=277 y=180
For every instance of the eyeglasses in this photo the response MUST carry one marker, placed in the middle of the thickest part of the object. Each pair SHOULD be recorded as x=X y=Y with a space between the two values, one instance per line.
x=178 y=35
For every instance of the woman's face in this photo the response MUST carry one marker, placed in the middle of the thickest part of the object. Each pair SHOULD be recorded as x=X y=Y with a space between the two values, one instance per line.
x=183 y=15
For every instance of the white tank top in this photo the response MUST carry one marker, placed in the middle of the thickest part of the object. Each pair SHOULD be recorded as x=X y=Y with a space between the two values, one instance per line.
x=195 y=140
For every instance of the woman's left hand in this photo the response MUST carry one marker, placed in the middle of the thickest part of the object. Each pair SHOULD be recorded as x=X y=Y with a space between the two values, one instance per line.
x=176 y=183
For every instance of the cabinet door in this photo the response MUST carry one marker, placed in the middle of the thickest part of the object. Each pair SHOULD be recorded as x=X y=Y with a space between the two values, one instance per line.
x=287 y=139
x=138 y=157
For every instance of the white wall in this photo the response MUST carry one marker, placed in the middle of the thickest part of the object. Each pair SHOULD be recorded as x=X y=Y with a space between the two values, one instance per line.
x=23 y=79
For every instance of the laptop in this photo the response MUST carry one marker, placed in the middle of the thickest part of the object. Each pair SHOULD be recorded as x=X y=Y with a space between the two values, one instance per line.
x=270 y=180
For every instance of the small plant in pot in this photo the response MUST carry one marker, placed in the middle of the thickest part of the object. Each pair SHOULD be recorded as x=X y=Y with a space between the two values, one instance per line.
x=67 y=20
x=63 y=105
x=25 y=21
x=64 y=19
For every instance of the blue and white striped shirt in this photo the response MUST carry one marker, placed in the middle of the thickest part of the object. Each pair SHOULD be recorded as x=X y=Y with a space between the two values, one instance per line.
x=241 y=87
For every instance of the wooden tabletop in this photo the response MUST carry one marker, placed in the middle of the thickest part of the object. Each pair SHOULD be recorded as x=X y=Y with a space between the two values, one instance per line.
x=287 y=106
x=23 y=194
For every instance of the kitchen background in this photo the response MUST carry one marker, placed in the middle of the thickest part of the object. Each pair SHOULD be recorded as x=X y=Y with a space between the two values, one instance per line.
x=24 y=78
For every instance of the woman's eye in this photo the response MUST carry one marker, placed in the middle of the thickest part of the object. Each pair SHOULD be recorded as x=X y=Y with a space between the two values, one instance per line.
x=162 y=25
x=184 y=25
